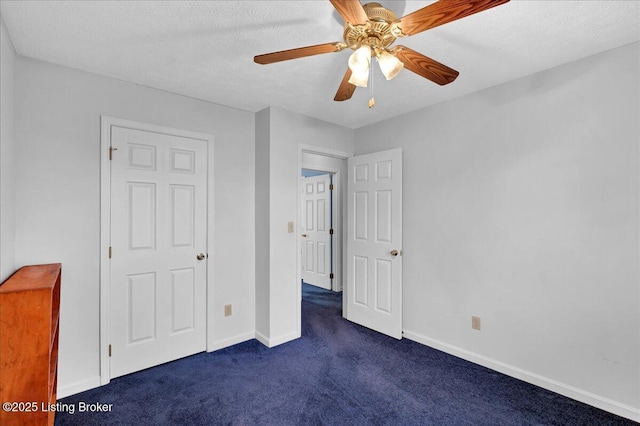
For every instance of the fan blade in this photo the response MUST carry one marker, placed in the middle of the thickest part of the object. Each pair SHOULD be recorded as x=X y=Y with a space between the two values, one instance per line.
x=346 y=89
x=300 y=52
x=442 y=12
x=351 y=11
x=424 y=66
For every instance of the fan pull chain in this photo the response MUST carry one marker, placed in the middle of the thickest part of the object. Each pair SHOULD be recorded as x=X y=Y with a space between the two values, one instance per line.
x=372 y=101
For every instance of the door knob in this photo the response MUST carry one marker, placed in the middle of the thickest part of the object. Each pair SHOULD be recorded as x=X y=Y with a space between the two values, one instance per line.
x=200 y=256
x=304 y=235
x=393 y=253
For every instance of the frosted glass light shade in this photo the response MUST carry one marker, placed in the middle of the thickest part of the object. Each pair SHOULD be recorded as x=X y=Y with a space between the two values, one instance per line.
x=360 y=78
x=389 y=65
x=360 y=59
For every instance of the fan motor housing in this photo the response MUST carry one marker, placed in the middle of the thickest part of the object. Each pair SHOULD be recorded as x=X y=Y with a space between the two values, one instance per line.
x=376 y=32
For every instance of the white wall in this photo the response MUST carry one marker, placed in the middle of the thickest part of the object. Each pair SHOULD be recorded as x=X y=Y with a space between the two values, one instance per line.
x=7 y=155
x=286 y=131
x=57 y=131
x=521 y=206
x=262 y=223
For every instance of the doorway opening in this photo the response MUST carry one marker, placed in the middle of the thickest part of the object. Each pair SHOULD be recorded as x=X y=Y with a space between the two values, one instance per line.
x=370 y=262
x=313 y=164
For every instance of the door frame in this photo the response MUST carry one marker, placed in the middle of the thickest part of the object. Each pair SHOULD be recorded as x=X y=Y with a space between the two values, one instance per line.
x=338 y=259
x=106 y=123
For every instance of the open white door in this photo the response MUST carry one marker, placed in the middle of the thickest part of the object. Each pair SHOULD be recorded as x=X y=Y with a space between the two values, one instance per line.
x=159 y=244
x=374 y=243
x=316 y=237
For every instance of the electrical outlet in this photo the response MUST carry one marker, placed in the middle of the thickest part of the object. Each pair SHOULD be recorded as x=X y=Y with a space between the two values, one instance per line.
x=475 y=323
x=290 y=227
x=227 y=310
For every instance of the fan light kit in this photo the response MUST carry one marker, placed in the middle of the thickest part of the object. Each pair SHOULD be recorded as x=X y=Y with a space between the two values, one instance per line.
x=370 y=29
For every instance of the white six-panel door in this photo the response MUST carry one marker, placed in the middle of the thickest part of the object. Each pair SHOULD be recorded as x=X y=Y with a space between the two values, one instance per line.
x=158 y=227
x=316 y=240
x=374 y=243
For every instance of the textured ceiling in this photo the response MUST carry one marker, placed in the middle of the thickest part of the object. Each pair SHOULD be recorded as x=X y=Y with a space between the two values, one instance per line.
x=205 y=49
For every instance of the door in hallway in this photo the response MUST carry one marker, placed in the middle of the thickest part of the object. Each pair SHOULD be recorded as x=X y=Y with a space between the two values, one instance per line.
x=316 y=237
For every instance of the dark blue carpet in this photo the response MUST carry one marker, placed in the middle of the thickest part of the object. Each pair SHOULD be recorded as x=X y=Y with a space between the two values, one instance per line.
x=338 y=373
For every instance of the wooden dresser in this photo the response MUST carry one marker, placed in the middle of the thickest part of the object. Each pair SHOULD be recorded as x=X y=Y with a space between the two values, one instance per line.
x=29 y=317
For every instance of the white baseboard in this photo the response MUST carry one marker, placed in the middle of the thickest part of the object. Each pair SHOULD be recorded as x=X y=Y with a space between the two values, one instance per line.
x=272 y=342
x=77 y=387
x=94 y=382
x=526 y=376
x=220 y=344
x=262 y=338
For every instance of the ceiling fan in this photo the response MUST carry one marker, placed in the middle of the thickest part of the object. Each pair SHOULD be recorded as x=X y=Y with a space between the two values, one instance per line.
x=371 y=29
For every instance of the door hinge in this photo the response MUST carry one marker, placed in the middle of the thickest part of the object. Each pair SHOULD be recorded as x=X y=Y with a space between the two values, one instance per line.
x=330 y=187
x=110 y=252
x=111 y=149
x=109 y=349
x=331 y=276
x=331 y=231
